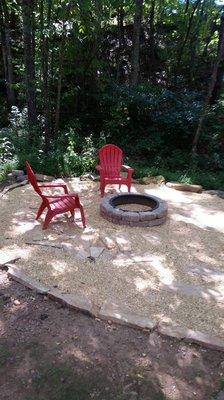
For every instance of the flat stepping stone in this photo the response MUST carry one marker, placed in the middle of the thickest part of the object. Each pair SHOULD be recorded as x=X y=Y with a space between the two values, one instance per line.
x=190 y=336
x=18 y=275
x=95 y=252
x=73 y=300
x=118 y=313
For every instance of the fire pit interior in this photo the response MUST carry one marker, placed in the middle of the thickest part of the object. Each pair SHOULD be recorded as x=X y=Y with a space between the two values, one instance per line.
x=134 y=209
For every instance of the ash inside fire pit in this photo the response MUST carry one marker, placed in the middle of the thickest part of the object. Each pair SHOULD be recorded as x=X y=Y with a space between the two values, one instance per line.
x=134 y=209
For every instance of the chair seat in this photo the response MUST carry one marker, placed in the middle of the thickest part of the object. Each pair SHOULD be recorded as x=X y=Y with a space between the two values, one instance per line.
x=116 y=179
x=63 y=205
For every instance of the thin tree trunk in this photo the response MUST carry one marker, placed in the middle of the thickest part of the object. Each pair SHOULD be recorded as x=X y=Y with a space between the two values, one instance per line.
x=152 y=37
x=190 y=23
x=29 y=61
x=7 y=53
x=207 y=101
x=136 y=42
x=45 y=72
x=61 y=60
x=220 y=71
x=120 y=22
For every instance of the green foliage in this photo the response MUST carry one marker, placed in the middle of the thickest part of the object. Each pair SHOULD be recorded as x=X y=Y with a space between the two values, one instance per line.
x=209 y=180
x=74 y=162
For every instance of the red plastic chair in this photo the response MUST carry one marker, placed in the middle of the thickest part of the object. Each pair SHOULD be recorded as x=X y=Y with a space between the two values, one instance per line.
x=110 y=166
x=56 y=204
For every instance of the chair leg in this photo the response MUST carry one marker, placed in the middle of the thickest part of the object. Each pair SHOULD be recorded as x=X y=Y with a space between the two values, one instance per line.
x=82 y=215
x=40 y=210
x=48 y=218
x=129 y=186
x=102 y=188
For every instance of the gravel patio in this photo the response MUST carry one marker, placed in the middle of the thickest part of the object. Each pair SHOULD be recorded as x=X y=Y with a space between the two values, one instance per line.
x=171 y=273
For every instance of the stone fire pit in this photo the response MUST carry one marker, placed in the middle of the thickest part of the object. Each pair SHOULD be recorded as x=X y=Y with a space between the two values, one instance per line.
x=134 y=209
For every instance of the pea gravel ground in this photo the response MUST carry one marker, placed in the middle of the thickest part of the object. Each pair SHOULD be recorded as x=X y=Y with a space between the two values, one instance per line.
x=173 y=272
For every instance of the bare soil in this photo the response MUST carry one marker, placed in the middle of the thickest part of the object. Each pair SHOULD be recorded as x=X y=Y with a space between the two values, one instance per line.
x=52 y=353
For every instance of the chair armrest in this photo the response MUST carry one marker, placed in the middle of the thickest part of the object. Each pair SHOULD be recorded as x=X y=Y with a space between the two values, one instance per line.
x=127 y=168
x=55 y=185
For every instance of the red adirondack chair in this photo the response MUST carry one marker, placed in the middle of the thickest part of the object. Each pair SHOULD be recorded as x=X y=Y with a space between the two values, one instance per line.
x=110 y=167
x=56 y=204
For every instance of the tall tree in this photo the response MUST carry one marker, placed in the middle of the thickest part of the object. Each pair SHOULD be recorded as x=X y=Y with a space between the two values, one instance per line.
x=6 y=52
x=28 y=7
x=220 y=54
x=60 y=73
x=188 y=30
x=152 y=37
x=220 y=71
x=136 y=41
x=45 y=69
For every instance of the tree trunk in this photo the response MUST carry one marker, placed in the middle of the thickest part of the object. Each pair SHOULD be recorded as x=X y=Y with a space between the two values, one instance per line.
x=136 y=42
x=45 y=72
x=212 y=83
x=120 y=22
x=61 y=60
x=29 y=61
x=190 y=23
x=7 y=53
x=152 y=38
x=220 y=71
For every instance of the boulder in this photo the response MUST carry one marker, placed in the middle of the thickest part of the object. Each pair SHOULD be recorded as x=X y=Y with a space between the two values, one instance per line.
x=147 y=180
x=44 y=178
x=219 y=193
x=21 y=178
x=17 y=172
x=185 y=187
x=89 y=176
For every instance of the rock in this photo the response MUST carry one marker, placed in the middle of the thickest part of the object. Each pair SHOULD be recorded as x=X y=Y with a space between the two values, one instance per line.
x=204 y=339
x=174 y=331
x=21 y=178
x=118 y=313
x=219 y=193
x=73 y=300
x=17 y=172
x=109 y=243
x=89 y=176
x=44 y=178
x=95 y=252
x=19 y=276
x=123 y=244
x=185 y=187
x=16 y=302
x=147 y=180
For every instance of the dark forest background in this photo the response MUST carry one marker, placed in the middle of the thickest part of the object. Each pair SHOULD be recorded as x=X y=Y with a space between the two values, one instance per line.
x=145 y=75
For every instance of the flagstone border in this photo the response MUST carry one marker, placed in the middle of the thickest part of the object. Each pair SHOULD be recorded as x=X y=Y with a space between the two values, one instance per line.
x=113 y=312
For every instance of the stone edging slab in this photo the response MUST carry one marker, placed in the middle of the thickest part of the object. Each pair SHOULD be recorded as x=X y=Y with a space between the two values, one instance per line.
x=114 y=312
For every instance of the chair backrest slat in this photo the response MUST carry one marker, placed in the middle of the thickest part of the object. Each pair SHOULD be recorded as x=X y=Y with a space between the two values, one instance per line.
x=111 y=159
x=32 y=179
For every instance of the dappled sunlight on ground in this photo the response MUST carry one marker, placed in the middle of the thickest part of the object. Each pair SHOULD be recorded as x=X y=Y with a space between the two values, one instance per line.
x=174 y=271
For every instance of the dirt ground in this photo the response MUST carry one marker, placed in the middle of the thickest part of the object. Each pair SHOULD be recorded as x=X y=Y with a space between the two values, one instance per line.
x=52 y=353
